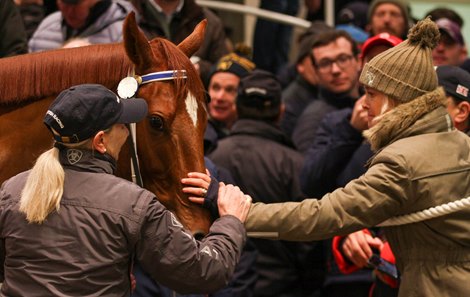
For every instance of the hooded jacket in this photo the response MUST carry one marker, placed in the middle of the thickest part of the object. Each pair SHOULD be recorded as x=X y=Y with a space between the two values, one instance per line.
x=421 y=161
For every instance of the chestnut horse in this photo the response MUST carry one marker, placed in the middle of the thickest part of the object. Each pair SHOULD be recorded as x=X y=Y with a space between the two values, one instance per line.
x=169 y=140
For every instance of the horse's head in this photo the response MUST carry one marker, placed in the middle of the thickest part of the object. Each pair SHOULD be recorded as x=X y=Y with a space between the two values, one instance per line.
x=170 y=139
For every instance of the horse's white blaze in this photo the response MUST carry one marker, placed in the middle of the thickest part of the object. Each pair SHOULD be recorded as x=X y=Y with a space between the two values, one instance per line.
x=191 y=107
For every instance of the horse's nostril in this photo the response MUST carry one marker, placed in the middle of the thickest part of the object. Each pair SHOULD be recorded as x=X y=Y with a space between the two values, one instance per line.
x=199 y=235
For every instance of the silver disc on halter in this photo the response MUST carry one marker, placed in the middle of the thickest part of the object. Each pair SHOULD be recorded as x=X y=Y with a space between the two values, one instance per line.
x=127 y=87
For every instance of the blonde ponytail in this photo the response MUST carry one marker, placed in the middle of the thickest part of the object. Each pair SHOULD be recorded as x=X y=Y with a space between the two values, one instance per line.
x=44 y=187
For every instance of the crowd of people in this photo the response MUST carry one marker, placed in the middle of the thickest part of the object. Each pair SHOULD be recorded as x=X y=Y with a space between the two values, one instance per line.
x=371 y=120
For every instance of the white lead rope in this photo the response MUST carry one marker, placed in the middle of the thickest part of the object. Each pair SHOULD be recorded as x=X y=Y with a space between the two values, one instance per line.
x=427 y=214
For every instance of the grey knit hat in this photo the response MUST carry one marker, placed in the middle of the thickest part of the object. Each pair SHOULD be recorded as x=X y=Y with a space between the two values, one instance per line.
x=405 y=71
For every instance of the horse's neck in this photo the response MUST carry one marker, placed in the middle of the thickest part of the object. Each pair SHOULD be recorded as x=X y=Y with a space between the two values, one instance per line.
x=34 y=76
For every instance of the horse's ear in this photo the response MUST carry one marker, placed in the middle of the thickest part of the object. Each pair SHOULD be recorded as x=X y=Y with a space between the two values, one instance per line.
x=193 y=42
x=136 y=44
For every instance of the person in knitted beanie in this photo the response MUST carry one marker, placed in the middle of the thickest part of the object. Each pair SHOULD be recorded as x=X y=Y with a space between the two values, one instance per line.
x=388 y=16
x=401 y=75
x=417 y=183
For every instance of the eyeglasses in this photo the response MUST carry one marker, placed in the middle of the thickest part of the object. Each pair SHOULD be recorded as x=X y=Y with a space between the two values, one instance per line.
x=325 y=65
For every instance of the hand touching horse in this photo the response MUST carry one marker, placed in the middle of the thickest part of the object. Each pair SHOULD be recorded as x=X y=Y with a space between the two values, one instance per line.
x=169 y=141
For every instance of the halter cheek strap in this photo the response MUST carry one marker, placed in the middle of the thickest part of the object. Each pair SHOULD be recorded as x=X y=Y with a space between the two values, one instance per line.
x=127 y=89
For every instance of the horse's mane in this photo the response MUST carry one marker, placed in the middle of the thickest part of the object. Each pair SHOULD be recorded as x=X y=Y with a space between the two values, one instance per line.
x=34 y=76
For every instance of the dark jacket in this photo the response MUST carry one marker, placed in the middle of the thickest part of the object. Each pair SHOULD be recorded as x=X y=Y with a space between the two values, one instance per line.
x=309 y=121
x=296 y=97
x=265 y=165
x=85 y=249
x=338 y=155
x=13 y=40
x=182 y=25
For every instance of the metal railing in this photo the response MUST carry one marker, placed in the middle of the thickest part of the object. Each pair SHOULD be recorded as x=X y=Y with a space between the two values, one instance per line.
x=255 y=11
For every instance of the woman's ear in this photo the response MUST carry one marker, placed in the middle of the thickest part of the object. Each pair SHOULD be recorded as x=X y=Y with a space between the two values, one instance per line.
x=99 y=142
x=463 y=112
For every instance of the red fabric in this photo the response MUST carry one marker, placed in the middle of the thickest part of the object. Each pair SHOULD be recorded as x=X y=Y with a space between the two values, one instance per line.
x=387 y=254
x=344 y=265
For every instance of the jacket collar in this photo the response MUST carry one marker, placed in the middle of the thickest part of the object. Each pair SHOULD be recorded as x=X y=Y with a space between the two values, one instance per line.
x=411 y=118
x=86 y=160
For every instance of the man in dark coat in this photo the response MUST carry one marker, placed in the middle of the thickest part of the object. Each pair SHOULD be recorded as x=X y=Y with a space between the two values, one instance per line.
x=265 y=165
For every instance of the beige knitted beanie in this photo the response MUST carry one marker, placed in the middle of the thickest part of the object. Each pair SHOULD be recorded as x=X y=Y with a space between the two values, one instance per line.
x=405 y=71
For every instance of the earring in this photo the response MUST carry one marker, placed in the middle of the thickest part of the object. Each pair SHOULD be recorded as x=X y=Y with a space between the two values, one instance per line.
x=104 y=151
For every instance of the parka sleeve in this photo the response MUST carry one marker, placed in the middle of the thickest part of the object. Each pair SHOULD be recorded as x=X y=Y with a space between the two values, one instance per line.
x=173 y=257
x=381 y=193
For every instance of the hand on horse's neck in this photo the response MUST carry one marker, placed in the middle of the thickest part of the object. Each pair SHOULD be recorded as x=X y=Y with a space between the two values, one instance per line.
x=168 y=6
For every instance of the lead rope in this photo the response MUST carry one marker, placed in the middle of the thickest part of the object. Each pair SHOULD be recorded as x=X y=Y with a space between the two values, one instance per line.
x=430 y=213
x=135 y=169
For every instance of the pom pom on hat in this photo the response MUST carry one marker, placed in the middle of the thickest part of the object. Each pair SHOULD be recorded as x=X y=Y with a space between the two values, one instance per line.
x=425 y=34
x=405 y=71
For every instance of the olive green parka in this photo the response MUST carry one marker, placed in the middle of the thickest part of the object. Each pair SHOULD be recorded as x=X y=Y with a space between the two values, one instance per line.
x=421 y=161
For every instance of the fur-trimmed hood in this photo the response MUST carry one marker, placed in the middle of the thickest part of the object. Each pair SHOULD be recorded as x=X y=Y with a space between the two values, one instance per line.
x=394 y=123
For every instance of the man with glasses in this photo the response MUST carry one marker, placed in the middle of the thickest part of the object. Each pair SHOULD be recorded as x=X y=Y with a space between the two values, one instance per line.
x=334 y=56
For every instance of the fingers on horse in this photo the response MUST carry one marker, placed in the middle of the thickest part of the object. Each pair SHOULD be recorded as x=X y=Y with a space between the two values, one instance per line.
x=204 y=176
x=195 y=191
x=196 y=182
x=197 y=200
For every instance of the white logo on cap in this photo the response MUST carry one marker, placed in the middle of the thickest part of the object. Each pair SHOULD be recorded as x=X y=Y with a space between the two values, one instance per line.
x=261 y=91
x=462 y=90
x=73 y=156
x=370 y=78
x=56 y=118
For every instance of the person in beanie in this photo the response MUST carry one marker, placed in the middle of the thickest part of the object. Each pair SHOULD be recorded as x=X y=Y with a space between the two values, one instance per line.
x=71 y=228
x=420 y=161
x=388 y=16
x=222 y=89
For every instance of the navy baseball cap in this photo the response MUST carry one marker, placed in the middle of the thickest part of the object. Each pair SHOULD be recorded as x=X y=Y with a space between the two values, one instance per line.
x=78 y=113
x=455 y=81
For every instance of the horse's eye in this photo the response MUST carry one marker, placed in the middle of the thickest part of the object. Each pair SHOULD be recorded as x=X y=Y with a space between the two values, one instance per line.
x=156 y=122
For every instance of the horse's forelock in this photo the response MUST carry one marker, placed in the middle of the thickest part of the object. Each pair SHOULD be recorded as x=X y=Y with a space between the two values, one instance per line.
x=177 y=60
